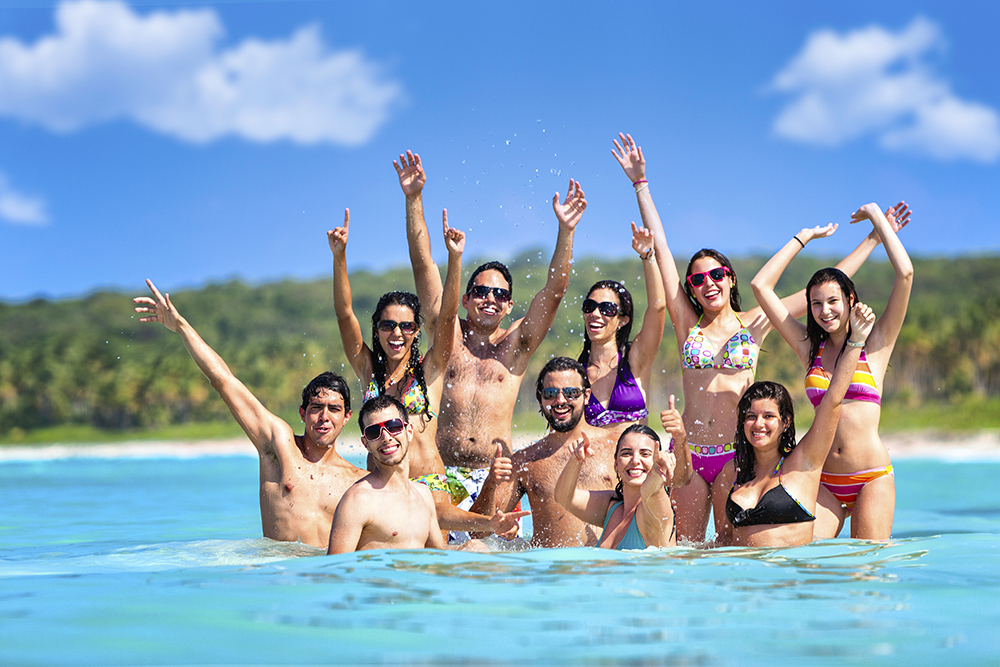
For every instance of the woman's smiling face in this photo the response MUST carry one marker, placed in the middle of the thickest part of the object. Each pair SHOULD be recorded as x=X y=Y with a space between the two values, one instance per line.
x=711 y=294
x=396 y=342
x=634 y=458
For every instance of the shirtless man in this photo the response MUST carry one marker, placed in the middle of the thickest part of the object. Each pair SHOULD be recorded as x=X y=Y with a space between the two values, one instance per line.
x=302 y=477
x=488 y=362
x=386 y=509
x=562 y=391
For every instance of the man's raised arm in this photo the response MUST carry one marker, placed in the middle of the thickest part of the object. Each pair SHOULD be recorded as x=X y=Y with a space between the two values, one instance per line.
x=426 y=275
x=542 y=311
x=260 y=425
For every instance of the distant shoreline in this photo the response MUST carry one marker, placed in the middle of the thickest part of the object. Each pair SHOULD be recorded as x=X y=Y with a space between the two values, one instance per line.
x=983 y=446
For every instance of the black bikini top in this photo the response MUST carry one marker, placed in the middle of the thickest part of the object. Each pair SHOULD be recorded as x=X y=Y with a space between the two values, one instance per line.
x=775 y=506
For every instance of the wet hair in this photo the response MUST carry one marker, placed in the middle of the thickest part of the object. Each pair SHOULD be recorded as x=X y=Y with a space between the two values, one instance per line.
x=491 y=266
x=622 y=335
x=415 y=366
x=814 y=331
x=382 y=402
x=331 y=382
x=555 y=365
x=641 y=429
x=745 y=458
x=734 y=293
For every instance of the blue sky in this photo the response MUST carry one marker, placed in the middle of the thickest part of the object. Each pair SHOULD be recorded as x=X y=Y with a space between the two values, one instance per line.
x=192 y=142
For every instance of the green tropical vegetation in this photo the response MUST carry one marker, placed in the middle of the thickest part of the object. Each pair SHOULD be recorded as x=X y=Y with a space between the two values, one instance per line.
x=88 y=370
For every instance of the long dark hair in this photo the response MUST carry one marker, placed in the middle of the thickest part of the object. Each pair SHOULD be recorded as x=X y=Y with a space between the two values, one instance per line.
x=623 y=333
x=734 y=293
x=814 y=331
x=745 y=458
x=415 y=366
x=641 y=429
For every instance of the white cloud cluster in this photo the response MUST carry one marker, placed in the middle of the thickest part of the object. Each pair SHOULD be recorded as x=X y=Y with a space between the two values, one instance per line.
x=20 y=209
x=873 y=81
x=166 y=71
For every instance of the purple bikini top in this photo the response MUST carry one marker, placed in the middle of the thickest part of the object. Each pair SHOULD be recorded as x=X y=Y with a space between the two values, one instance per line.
x=626 y=404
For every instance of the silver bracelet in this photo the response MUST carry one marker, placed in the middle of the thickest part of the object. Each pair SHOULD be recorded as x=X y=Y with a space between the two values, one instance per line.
x=641 y=188
x=853 y=344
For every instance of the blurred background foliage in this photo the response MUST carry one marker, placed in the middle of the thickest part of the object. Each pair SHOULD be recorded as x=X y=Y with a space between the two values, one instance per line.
x=87 y=369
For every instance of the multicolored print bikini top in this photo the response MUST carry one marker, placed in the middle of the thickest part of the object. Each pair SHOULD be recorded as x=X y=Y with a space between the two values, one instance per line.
x=740 y=352
x=413 y=398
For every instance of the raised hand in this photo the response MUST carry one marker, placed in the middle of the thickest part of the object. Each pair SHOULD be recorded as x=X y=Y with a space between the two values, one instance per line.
x=337 y=237
x=454 y=239
x=571 y=210
x=504 y=524
x=581 y=448
x=162 y=310
x=672 y=422
x=642 y=240
x=866 y=212
x=817 y=232
x=629 y=156
x=411 y=173
x=898 y=217
x=501 y=467
x=862 y=321
x=665 y=463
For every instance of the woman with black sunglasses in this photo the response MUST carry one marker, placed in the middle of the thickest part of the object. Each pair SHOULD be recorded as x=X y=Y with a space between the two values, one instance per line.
x=619 y=369
x=718 y=345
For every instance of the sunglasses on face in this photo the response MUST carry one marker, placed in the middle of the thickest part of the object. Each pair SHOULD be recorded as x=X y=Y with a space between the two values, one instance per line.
x=716 y=274
x=571 y=393
x=392 y=426
x=607 y=308
x=388 y=326
x=482 y=291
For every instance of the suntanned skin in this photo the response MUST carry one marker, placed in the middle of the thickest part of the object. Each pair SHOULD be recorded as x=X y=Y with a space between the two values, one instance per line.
x=388 y=510
x=302 y=477
x=711 y=394
x=422 y=454
x=488 y=362
x=800 y=469
x=602 y=366
x=426 y=276
x=857 y=445
x=385 y=509
x=535 y=470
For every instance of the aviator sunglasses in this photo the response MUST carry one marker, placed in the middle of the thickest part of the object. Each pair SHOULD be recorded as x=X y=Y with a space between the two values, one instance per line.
x=388 y=326
x=716 y=274
x=571 y=393
x=607 y=308
x=392 y=426
x=482 y=291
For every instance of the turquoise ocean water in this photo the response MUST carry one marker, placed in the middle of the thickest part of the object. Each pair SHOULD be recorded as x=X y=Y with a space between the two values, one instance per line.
x=151 y=561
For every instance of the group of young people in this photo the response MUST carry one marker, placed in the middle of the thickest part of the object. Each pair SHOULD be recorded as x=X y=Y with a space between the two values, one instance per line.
x=437 y=426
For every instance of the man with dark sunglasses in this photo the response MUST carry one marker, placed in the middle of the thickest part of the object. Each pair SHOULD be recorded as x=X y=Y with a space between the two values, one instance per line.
x=488 y=362
x=386 y=509
x=302 y=477
x=562 y=391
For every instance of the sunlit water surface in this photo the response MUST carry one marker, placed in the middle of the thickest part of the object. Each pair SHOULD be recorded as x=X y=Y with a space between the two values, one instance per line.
x=159 y=561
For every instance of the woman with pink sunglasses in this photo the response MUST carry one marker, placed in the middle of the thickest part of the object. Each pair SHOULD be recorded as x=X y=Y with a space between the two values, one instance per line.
x=718 y=344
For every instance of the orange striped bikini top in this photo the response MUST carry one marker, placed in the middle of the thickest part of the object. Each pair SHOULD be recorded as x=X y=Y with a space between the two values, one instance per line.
x=862 y=388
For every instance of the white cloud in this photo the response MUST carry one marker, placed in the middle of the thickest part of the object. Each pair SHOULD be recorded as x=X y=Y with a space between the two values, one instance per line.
x=874 y=82
x=166 y=71
x=20 y=209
